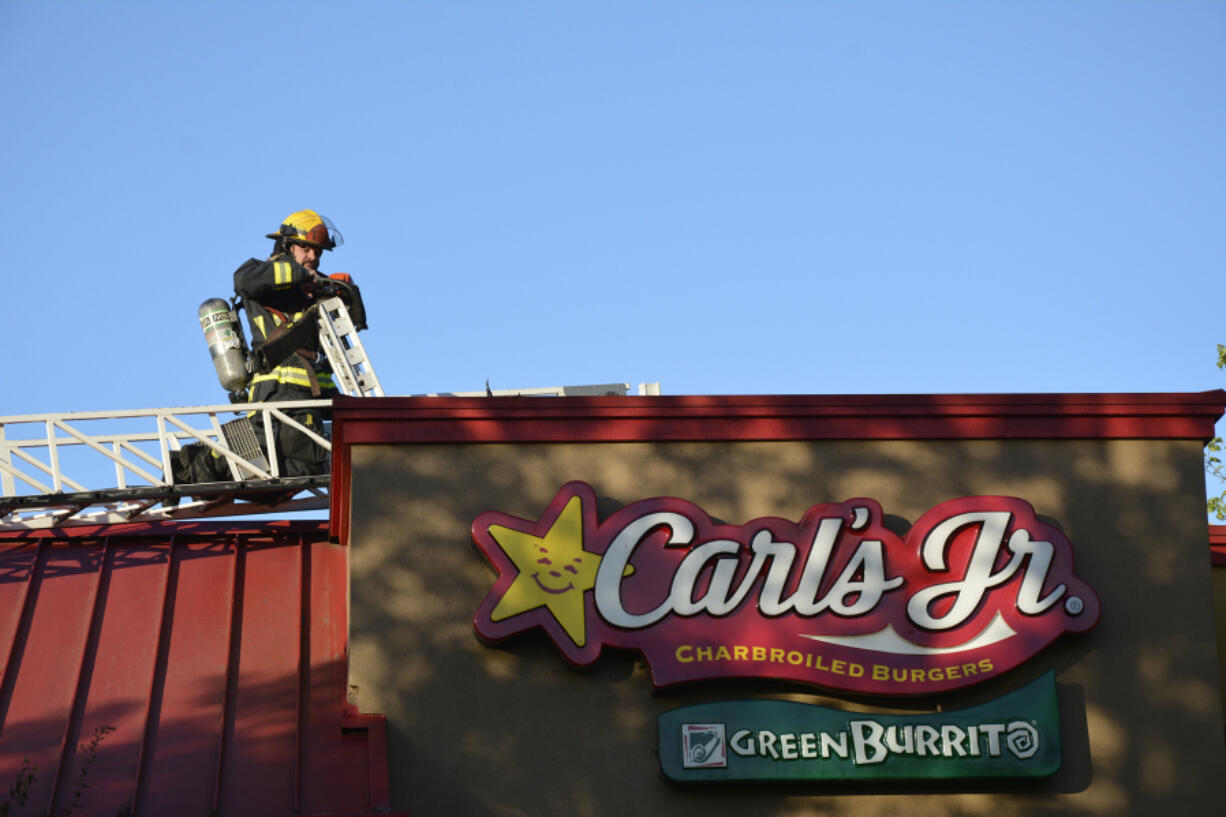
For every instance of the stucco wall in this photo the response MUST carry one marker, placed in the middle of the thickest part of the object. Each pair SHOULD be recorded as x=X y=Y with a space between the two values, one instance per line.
x=513 y=730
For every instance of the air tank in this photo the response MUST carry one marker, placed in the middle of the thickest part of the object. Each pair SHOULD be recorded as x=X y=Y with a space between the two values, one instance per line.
x=225 y=339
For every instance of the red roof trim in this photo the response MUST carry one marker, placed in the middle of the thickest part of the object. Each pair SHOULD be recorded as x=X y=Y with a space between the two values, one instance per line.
x=366 y=420
x=782 y=417
x=1217 y=545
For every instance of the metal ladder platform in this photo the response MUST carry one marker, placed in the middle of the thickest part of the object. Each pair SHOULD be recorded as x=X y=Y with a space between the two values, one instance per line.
x=50 y=465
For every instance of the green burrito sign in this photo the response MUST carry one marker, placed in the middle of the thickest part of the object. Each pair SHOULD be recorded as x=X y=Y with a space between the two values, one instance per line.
x=1014 y=736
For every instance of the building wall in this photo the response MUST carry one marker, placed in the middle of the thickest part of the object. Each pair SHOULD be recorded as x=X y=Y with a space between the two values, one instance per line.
x=511 y=729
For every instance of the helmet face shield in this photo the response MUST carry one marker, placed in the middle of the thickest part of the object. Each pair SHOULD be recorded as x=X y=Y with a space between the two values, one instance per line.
x=325 y=234
x=310 y=228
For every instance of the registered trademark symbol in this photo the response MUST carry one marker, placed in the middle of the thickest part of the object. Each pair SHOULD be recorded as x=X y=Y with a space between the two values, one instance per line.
x=1074 y=605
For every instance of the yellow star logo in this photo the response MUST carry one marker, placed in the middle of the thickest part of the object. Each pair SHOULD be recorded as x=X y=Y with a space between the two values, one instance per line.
x=554 y=571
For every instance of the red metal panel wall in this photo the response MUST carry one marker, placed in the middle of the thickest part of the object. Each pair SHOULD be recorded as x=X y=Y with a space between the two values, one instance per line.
x=217 y=654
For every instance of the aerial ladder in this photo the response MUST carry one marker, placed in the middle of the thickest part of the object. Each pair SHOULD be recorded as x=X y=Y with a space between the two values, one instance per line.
x=50 y=464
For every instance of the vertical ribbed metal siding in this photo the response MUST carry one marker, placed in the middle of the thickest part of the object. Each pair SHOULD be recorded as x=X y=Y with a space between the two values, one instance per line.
x=218 y=654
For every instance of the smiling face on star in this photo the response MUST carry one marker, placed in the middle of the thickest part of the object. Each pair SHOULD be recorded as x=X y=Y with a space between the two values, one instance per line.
x=556 y=577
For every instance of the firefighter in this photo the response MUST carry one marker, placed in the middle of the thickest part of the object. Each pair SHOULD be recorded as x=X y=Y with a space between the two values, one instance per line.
x=275 y=294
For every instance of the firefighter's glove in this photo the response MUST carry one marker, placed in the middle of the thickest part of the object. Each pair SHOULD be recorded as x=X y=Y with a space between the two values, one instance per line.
x=343 y=286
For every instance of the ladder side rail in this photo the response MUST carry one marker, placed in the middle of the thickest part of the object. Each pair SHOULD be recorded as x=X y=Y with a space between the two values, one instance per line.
x=136 y=509
x=115 y=414
x=127 y=414
x=75 y=437
x=54 y=519
x=371 y=387
x=125 y=440
x=126 y=513
x=65 y=518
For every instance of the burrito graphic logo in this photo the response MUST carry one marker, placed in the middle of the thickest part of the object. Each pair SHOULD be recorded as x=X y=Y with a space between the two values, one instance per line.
x=977 y=586
x=703 y=746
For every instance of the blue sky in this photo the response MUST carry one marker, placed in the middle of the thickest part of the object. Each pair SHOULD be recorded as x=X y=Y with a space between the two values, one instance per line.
x=767 y=197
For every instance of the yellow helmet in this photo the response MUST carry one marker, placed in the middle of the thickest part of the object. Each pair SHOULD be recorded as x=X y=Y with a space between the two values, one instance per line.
x=310 y=228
